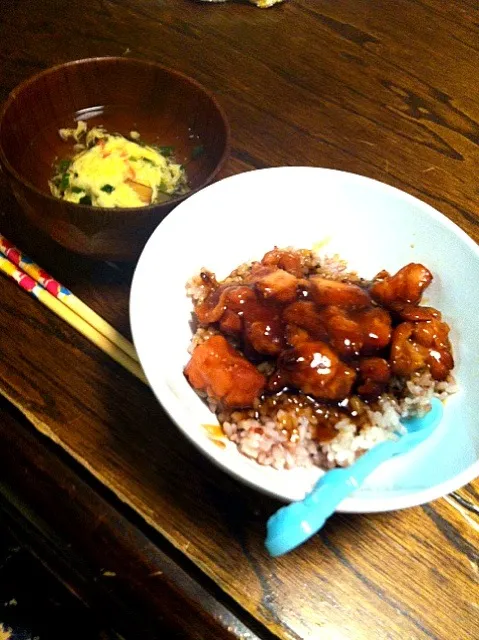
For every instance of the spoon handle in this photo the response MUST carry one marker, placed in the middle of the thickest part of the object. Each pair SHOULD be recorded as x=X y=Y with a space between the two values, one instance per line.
x=336 y=484
x=293 y=524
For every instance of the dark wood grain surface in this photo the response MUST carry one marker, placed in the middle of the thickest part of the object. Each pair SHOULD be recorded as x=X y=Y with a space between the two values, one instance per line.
x=383 y=89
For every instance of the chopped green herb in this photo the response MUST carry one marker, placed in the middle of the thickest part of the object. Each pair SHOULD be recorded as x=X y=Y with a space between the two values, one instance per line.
x=149 y=161
x=197 y=151
x=77 y=190
x=85 y=200
x=107 y=188
x=166 y=151
x=65 y=181
x=133 y=159
x=63 y=165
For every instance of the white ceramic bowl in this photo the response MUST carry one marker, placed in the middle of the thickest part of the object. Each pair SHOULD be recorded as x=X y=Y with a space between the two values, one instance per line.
x=374 y=227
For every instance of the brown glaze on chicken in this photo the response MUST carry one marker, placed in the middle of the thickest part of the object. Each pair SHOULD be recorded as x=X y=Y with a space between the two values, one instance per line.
x=341 y=294
x=303 y=314
x=420 y=345
x=326 y=339
x=354 y=332
x=413 y=313
x=316 y=369
x=373 y=376
x=289 y=261
x=404 y=287
x=277 y=285
x=224 y=374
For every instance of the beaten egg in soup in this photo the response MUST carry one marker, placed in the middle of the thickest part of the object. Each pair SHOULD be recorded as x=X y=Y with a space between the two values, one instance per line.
x=110 y=170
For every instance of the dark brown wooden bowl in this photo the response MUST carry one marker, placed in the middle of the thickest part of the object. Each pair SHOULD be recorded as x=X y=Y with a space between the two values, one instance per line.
x=123 y=94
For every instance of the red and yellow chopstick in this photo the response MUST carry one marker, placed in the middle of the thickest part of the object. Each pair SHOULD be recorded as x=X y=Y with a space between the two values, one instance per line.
x=63 y=294
x=68 y=307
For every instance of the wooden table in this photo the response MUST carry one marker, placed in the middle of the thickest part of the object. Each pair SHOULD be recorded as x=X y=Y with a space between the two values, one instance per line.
x=94 y=476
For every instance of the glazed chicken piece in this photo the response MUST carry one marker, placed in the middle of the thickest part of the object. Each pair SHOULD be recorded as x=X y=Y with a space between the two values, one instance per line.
x=374 y=374
x=413 y=313
x=240 y=314
x=420 y=345
x=232 y=297
x=263 y=329
x=231 y=323
x=434 y=336
x=404 y=287
x=339 y=294
x=345 y=335
x=351 y=332
x=277 y=285
x=304 y=314
x=295 y=334
x=407 y=356
x=224 y=374
x=315 y=369
x=357 y=332
x=376 y=326
x=287 y=260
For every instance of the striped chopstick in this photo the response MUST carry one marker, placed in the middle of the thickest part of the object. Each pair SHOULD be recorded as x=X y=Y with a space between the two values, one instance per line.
x=63 y=294
x=56 y=304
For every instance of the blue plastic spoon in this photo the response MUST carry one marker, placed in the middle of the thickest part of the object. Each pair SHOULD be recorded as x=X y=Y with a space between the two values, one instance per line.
x=295 y=523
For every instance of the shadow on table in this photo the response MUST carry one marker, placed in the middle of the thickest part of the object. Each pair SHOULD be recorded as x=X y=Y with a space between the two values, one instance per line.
x=34 y=606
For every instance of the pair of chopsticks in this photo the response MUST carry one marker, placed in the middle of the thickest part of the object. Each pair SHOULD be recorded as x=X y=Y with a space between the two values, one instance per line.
x=33 y=279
